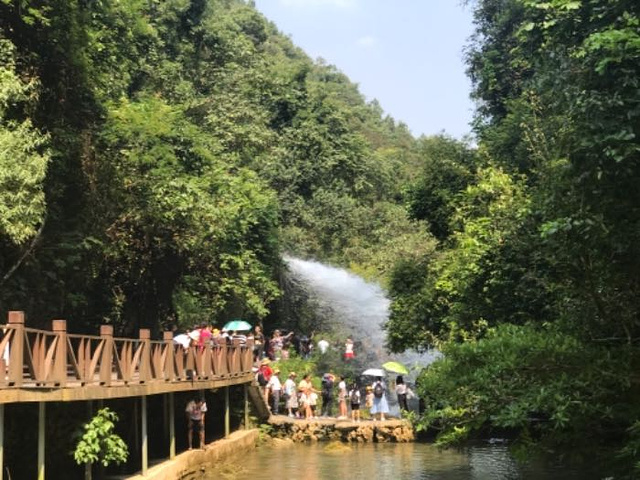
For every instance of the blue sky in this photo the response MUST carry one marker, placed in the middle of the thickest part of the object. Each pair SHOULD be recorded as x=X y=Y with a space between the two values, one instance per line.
x=408 y=54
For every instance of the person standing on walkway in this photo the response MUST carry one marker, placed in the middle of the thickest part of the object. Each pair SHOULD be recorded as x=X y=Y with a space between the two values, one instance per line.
x=195 y=416
x=263 y=376
x=380 y=405
x=327 y=394
x=306 y=388
x=342 y=399
x=275 y=387
x=402 y=390
x=354 y=399
x=291 y=395
x=258 y=343
x=368 y=400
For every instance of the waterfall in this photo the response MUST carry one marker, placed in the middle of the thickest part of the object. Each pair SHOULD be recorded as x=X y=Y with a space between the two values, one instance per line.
x=355 y=308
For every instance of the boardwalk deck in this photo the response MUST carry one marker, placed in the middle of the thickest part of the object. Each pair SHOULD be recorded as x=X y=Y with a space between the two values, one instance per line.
x=54 y=366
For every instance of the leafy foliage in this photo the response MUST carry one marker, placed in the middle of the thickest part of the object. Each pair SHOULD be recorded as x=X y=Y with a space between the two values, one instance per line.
x=23 y=156
x=532 y=293
x=99 y=443
x=191 y=144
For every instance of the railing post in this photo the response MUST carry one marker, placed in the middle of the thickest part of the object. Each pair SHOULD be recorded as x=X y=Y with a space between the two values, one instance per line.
x=169 y=359
x=1 y=440
x=59 y=327
x=16 y=348
x=145 y=355
x=106 y=359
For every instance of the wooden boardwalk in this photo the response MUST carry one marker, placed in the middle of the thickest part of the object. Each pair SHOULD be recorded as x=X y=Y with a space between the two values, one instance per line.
x=45 y=366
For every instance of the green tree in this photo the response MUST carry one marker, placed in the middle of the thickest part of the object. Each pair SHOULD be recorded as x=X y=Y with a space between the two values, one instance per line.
x=99 y=444
x=23 y=155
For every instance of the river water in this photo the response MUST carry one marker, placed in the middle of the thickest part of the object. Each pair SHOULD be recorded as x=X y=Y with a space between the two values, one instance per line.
x=413 y=461
x=360 y=308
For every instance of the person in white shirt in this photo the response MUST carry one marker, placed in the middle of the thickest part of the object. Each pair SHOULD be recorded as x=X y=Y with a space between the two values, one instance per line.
x=323 y=345
x=183 y=340
x=403 y=392
x=342 y=398
x=275 y=387
x=291 y=394
x=195 y=414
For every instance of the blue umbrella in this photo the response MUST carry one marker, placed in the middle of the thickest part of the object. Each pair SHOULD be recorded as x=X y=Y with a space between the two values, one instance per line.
x=237 y=325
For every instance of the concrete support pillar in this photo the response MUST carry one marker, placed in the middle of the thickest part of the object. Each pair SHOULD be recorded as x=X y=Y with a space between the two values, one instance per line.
x=246 y=406
x=172 y=427
x=144 y=450
x=227 y=417
x=88 y=467
x=41 y=437
x=1 y=440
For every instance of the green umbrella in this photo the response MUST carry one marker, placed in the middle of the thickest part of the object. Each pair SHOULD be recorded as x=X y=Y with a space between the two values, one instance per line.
x=237 y=325
x=395 y=367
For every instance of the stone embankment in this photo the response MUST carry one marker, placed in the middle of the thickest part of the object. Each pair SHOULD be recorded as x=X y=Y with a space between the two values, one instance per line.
x=331 y=429
x=193 y=464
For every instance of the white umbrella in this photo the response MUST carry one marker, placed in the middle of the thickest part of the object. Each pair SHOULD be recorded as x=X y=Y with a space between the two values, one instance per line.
x=374 y=372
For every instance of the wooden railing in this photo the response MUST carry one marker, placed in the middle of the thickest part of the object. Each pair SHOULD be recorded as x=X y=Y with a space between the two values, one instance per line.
x=31 y=358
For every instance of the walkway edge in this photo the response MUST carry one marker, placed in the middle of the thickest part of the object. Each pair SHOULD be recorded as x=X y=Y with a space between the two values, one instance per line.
x=188 y=464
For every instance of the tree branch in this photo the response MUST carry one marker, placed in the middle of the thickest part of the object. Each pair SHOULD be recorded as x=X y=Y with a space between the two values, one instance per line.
x=32 y=245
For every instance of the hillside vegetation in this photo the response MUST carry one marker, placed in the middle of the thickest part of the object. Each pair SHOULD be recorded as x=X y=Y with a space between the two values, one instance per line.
x=533 y=291
x=157 y=158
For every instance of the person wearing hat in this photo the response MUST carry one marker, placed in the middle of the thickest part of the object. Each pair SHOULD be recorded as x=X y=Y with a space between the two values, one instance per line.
x=291 y=395
x=368 y=399
x=275 y=387
x=263 y=376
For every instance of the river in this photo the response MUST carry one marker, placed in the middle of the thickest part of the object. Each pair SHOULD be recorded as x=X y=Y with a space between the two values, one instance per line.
x=412 y=461
x=360 y=308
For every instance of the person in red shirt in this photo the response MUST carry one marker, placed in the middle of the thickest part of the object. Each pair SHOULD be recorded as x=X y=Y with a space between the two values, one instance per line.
x=263 y=376
x=348 y=349
x=205 y=336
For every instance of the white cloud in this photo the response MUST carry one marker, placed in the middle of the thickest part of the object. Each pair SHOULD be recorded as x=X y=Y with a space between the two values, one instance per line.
x=366 y=42
x=319 y=3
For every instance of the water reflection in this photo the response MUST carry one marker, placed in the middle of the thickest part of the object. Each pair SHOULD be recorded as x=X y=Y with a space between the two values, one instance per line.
x=414 y=461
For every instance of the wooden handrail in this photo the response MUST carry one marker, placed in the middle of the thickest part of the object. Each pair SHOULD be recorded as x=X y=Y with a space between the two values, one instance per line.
x=32 y=358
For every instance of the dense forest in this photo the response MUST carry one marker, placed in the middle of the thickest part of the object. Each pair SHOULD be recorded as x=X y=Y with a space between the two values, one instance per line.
x=532 y=293
x=157 y=159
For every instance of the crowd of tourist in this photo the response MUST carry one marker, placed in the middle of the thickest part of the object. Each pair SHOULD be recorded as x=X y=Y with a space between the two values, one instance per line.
x=297 y=399
x=208 y=335
x=300 y=399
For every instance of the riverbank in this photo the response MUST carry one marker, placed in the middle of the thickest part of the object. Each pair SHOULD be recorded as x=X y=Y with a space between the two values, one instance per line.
x=192 y=464
x=332 y=429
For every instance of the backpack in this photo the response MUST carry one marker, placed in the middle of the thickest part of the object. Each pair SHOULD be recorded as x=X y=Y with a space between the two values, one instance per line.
x=378 y=390
x=327 y=386
x=262 y=381
x=355 y=398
